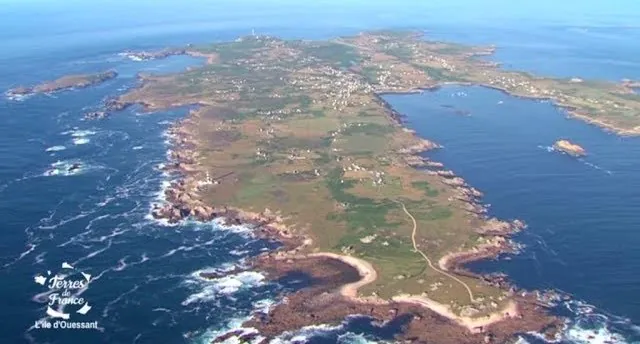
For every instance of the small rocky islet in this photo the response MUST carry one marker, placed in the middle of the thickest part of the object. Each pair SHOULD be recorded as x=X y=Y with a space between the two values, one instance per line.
x=570 y=148
x=64 y=83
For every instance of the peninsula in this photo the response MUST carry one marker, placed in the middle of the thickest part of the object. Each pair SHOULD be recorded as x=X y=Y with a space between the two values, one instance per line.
x=64 y=83
x=293 y=136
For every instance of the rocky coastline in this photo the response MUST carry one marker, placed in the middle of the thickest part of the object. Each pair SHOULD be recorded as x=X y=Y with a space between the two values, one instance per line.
x=320 y=303
x=571 y=111
x=153 y=55
x=182 y=201
x=64 y=83
x=628 y=83
x=162 y=54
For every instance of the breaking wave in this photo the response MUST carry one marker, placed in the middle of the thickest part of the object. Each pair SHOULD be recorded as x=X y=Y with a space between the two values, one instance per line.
x=227 y=285
x=55 y=149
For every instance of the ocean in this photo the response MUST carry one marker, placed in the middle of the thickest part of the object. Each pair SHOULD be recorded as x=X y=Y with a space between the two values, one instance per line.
x=145 y=285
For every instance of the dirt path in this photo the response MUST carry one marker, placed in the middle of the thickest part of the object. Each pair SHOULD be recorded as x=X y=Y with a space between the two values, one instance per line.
x=415 y=247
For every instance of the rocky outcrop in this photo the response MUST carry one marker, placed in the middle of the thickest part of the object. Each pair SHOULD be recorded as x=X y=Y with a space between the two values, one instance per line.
x=65 y=83
x=455 y=181
x=20 y=91
x=319 y=303
x=415 y=161
x=95 y=115
x=114 y=105
x=153 y=55
x=497 y=227
x=570 y=148
x=434 y=164
x=420 y=147
x=630 y=83
x=446 y=173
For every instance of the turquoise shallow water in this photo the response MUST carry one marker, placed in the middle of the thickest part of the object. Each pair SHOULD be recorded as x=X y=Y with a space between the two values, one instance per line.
x=583 y=214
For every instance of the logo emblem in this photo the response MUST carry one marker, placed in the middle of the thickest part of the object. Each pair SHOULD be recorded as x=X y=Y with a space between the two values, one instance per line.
x=63 y=298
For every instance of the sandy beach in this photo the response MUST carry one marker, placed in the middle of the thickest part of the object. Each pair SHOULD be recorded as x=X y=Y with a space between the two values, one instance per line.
x=472 y=324
x=368 y=274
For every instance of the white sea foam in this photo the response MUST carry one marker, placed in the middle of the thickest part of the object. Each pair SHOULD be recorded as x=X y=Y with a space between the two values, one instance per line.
x=79 y=133
x=352 y=338
x=211 y=289
x=238 y=229
x=232 y=325
x=238 y=252
x=594 y=166
x=65 y=168
x=55 y=149
x=459 y=94
x=588 y=325
x=263 y=306
x=80 y=141
x=131 y=56
x=164 y=185
x=30 y=248
x=17 y=97
x=39 y=259
x=303 y=334
x=593 y=327
x=521 y=340
x=551 y=149
x=589 y=336
x=547 y=148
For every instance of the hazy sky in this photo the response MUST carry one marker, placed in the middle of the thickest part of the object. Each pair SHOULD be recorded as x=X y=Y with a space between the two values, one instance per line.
x=21 y=16
x=620 y=11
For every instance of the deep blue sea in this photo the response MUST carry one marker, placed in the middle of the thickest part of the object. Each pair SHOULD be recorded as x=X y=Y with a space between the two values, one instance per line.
x=583 y=214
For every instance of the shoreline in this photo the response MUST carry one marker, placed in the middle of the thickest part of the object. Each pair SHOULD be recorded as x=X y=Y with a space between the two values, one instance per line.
x=185 y=167
x=368 y=275
x=472 y=324
x=63 y=83
x=571 y=112
x=183 y=203
x=324 y=302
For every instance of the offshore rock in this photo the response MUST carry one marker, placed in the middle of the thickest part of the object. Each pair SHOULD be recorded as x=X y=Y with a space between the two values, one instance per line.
x=570 y=148
x=112 y=105
x=65 y=83
x=94 y=115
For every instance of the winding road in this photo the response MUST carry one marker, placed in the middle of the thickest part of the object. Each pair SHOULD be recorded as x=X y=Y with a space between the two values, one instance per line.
x=415 y=247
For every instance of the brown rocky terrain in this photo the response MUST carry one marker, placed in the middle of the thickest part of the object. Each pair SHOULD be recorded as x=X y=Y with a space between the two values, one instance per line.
x=283 y=125
x=570 y=148
x=320 y=303
x=65 y=83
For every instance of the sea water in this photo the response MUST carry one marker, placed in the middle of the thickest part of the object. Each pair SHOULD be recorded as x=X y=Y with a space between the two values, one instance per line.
x=582 y=212
x=144 y=277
